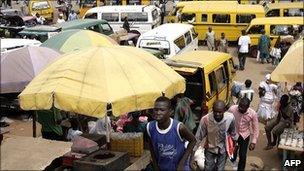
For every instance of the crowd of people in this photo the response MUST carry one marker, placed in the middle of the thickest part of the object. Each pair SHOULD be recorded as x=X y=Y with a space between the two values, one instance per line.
x=265 y=53
x=173 y=136
x=170 y=128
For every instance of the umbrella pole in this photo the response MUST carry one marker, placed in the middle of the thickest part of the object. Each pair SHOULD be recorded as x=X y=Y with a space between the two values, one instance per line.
x=34 y=113
x=107 y=125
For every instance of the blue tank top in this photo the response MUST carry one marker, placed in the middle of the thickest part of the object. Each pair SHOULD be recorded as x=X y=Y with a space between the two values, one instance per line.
x=167 y=144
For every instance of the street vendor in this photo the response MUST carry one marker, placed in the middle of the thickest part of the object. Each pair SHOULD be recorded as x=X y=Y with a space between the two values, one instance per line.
x=126 y=24
x=50 y=121
x=277 y=125
x=167 y=138
x=135 y=125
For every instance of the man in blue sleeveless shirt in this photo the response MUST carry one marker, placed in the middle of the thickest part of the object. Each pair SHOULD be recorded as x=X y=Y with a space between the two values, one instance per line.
x=167 y=139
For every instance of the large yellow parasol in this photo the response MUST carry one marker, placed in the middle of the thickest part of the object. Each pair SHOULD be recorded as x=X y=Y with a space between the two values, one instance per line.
x=290 y=68
x=86 y=81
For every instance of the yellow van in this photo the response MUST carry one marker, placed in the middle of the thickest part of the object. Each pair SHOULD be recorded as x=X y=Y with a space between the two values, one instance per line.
x=42 y=7
x=224 y=17
x=172 y=17
x=291 y=9
x=209 y=76
x=274 y=27
x=239 y=1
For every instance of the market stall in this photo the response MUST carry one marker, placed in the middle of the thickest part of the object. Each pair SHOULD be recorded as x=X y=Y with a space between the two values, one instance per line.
x=99 y=81
x=291 y=141
x=290 y=70
x=27 y=153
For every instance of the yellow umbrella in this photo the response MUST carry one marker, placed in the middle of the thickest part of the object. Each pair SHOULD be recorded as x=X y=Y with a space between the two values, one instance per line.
x=86 y=81
x=290 y=68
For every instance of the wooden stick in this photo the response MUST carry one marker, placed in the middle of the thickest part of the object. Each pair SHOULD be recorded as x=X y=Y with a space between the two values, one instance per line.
x=34 y=113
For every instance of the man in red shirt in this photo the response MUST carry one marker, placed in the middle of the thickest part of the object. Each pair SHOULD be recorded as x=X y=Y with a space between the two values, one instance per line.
x=245 y=118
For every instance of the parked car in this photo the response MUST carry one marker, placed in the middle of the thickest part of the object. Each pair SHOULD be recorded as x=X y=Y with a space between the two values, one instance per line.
x=43 y=32
x=13 y=21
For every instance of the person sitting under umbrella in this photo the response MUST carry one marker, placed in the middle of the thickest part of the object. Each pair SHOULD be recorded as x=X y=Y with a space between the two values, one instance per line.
x=135 y=125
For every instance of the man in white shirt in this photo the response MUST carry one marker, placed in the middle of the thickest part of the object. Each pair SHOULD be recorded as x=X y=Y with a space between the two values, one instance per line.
x=244 y=44
x=39 y=19
x=60 y=18
x=247 y=91
x=72 y=16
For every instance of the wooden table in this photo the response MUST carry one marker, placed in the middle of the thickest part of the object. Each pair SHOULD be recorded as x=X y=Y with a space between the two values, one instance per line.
x=289 y=150
x=27 y=153
x=139 y=163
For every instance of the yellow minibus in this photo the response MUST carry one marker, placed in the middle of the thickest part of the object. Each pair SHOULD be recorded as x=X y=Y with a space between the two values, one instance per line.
x=291 y=9
x=209 y=76
x=274 y=27
x=224 y=17
x=172 y=17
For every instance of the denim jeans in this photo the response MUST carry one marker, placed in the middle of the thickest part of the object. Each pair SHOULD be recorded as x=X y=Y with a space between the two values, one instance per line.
x=242 y=60
x=214 y=161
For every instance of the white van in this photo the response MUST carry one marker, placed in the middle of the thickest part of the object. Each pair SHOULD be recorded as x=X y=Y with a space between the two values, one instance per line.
x=142 y=18
x=171 y=39
x=9 y=44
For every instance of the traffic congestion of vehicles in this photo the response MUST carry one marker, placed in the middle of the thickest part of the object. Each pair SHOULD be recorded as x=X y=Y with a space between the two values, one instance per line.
x=104 y=76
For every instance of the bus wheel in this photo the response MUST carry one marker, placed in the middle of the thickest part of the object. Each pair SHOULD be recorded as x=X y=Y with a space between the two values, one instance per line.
x=254 y=51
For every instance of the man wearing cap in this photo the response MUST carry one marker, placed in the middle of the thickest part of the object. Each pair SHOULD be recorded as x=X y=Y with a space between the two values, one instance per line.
x=267 y=94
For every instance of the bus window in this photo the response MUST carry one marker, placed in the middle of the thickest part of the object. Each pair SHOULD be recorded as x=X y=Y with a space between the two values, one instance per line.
x=180 y=42
x=188 y=17
x=256 y=29
x=244 y=18
x=188 y=38
x=204 y=17
x=212 y=82
x=221 y=18
x=135 y=16
x=279 y=30
x=220 y=78
x=293 y=12
x=273 y=13
x=91 y=15
x=110 y=17
x=133 y=2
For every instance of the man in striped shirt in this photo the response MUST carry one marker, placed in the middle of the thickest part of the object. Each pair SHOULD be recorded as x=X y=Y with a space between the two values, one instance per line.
x=246 y=119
